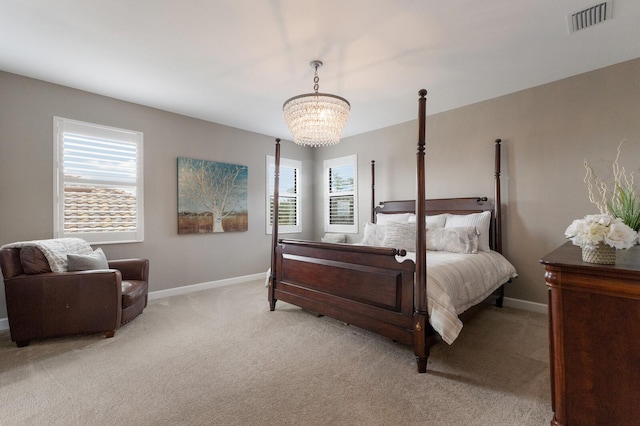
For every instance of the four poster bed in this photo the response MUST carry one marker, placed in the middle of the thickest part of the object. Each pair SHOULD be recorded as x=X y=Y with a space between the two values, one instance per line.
x=384 y=289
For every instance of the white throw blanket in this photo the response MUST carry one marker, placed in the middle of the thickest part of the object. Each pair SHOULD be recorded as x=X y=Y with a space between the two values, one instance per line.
x=56 y=250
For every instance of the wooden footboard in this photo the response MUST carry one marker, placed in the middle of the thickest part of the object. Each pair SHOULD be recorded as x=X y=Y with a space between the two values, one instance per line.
x=360 y=285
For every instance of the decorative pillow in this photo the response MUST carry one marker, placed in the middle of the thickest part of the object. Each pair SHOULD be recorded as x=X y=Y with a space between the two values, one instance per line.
x=33 y=260
x=454 y=240
x=400 y=235
x=87 y=262
x=384 y=218
x=373 y=234
x=481 y=221
x=334 y=238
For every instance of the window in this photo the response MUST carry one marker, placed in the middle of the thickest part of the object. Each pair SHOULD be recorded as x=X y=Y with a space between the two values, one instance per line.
x=98 y=184
x=341 y=207
x=289 y=194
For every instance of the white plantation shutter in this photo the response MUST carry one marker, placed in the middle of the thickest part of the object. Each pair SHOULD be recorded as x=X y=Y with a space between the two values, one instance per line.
x=340 y=194
x=98 y=182
x=289 y=207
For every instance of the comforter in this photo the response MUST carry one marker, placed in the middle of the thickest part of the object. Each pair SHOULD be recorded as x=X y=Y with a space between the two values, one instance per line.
x=456 y=282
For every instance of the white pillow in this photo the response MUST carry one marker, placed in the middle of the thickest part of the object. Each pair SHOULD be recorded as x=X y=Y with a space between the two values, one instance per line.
x=481 y=221
x=432 y=221
x=334 y=238
x=436 y=220
x=455 y=240
x=400 y=235
x=87 y=262
x=384 y=218
x=373 y=234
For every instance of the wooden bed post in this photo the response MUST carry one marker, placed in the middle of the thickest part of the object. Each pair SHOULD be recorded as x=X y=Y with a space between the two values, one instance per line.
x=498 y=203
x=497 y=207
x=373 y=191
x=420 y=324
x=274 y=227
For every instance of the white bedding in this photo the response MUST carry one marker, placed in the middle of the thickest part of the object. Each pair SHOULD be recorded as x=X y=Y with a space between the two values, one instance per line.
x=456 y=281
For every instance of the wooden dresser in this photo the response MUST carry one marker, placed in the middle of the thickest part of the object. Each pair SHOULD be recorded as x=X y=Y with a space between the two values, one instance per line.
x=594 y=338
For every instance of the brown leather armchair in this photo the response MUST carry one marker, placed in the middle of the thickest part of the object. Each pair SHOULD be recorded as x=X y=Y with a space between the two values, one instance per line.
x=50 y=304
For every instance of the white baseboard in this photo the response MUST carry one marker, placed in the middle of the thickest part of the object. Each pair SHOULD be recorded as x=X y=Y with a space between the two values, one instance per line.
x=525 y=305
x=153 y=295
x=160 y=294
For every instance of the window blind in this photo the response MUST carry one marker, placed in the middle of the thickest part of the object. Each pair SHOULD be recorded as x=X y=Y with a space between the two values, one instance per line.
x=340 y=204
x=99 y=184
x=289 y=195
x=341 y=197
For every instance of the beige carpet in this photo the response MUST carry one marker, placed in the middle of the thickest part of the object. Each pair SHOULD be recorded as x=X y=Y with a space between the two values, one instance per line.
x=219 y=357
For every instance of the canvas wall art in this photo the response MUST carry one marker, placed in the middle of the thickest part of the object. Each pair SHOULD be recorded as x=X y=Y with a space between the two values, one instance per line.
x=212 y=197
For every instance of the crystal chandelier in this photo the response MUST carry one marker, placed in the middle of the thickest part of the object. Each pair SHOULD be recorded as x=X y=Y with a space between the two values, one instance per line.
x=316 y=119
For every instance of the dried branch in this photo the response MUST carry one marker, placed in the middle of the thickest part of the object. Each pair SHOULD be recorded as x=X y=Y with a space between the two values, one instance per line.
x=619 y=201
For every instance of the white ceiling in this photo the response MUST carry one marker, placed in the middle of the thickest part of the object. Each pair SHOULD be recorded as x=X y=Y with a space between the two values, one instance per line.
x=235 y=62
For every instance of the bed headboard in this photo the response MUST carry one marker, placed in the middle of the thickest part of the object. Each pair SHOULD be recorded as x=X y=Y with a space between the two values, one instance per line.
x=465 y=205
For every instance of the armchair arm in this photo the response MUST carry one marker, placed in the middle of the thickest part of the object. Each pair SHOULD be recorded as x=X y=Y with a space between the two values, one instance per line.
x=132 y=269
x=10 y=263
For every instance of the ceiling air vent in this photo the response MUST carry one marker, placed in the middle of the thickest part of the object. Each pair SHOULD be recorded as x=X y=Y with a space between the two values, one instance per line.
x=590 y=16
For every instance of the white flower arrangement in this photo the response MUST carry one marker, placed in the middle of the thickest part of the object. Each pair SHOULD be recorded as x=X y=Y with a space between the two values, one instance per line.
x=601 y=228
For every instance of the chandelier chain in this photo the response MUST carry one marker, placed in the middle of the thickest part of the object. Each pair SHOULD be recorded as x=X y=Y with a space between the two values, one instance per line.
x=316 y=80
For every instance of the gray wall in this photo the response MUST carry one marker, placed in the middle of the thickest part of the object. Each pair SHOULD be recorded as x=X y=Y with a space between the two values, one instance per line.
x=548 y=132
x=26 y=180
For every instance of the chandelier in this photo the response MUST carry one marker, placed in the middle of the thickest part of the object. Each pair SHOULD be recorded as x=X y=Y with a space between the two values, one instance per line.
x=316 y=119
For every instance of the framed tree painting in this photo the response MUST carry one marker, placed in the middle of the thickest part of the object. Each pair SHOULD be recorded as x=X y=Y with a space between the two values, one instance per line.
x=212 y=197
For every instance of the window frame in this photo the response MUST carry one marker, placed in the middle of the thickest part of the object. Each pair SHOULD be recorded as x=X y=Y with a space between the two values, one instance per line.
x=333 y=163
x=62 y=126
x=284 y=163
